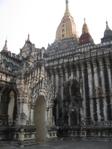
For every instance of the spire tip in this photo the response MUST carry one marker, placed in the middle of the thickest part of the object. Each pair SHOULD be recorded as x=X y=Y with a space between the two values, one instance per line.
x=5 y=46
x=67 y=9
x=84 y=20
x=28 y=37
x=107 y=26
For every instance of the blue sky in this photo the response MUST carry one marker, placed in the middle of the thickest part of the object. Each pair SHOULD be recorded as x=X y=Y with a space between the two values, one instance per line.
x=40 y=18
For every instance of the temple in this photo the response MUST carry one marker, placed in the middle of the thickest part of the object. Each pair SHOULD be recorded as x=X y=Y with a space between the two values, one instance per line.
x=62 y=91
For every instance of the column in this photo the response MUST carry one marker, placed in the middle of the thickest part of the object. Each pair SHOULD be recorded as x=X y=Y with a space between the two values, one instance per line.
x=49 y=112
x=90 y=90
x=108 y=65
x=81 y=91
x=69 y=69
x=96 y=88
x=0 y=103
x=77 y=72
x=61 y=82
x=52 y=78
x=60 y=94
x=66 y=74
x=32 y=115
x=107 y=90
x=56 y=81
x=103 y=89
x=87 y=93
x=99 y=92
x=83 y=112
x=74 y=69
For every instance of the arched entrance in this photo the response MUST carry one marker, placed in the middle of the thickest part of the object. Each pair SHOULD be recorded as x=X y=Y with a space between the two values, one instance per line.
x=39 y=119
x=8 y=107
x=8 y=112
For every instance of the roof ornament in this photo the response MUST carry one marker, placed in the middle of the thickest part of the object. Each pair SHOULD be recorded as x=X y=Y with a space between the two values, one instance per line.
x=67 y=27
x=85 y=37
x=107 y=26
x=67 y=7
x=107 y=33
x=28 y=38
x=85 y=27
x=84 y=20
x=5 y=46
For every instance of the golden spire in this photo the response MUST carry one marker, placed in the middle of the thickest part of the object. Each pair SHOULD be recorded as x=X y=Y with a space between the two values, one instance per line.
x=85 y=27
x=67 y=27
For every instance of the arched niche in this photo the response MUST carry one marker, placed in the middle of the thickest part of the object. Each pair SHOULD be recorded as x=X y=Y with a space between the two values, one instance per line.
x=8 y=106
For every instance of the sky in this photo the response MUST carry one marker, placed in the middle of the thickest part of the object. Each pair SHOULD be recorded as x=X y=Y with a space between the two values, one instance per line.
x=40 y=19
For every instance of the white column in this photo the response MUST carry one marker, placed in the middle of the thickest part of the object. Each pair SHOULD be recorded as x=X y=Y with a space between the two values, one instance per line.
x=50 y=120
x=66 y=74
x=61 y=83
x=103 y=88
x=56 y=80
x=74 y=70
x=83 y=112
x=96 y=87
x=90 y=90
x=110 y=81
x=72 y=73
x=32 y=117
x=77 y=72
x=0 y=103
x=52 y=78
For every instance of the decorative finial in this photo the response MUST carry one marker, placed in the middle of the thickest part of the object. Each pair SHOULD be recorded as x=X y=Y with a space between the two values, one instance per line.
x=107 y=26
x=84 y=20
x=85 y=27
x=66 y=2
x=5 y=46
x=28 y=38
x=6 y=42
x=67 y=9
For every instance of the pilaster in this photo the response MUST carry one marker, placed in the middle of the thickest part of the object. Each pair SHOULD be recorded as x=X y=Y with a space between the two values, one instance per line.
x=96 y=87
x=90 y=90
x=103 y=89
